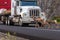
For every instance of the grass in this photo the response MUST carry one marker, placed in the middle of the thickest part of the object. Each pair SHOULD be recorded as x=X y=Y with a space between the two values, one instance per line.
x=11 y=37
x=56 y=18
x=8 y=36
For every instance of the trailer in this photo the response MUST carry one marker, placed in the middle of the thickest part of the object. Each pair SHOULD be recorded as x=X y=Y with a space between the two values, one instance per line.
x=19 y=12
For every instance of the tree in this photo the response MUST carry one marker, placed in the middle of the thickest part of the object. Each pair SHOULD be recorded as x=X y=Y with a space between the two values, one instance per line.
x=51 y=7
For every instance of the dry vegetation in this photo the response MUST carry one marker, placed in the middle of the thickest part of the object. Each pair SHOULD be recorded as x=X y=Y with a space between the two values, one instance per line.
x=51 y=7
x=8 y=36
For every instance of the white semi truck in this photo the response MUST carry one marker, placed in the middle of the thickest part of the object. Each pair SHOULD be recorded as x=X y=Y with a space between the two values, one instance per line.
x=22 y=12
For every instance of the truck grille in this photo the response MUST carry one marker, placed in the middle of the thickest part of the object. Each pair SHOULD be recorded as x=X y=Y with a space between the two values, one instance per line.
x=34 y=12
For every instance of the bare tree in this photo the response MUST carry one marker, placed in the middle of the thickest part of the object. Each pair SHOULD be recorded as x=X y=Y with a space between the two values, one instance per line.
x=51 y=7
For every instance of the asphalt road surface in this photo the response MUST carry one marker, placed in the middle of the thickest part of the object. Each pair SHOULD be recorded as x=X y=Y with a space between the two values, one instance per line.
x=51 y=33
x=6 y=36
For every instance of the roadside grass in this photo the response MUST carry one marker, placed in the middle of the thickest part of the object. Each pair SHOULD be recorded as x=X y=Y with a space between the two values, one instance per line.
x=57 y=19
x=11 y=37
x=8 y=36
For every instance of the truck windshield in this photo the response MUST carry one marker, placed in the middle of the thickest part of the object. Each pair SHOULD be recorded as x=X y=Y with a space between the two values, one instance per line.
x=27 y=3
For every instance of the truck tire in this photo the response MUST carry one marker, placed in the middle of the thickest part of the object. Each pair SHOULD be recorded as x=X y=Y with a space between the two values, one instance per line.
x=4 y=22
x=11 y=23
x=26 y=24
x=20 y=22
x=7 y=22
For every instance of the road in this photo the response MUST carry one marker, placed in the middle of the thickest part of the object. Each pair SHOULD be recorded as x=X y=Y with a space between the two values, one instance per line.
x=6 y=36
x=43 y=32
x=23 y=30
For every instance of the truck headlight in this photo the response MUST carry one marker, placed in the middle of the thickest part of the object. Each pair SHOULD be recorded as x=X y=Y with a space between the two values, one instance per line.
x=24 y=14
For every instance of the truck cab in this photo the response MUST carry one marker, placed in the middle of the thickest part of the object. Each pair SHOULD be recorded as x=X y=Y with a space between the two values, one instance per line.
x=26 y=9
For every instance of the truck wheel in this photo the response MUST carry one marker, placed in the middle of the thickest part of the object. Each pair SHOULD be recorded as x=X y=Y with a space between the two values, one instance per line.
x=26 y=24
x=4 y=22
x=20 y=22
x=11 y=23
x=7 y=22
